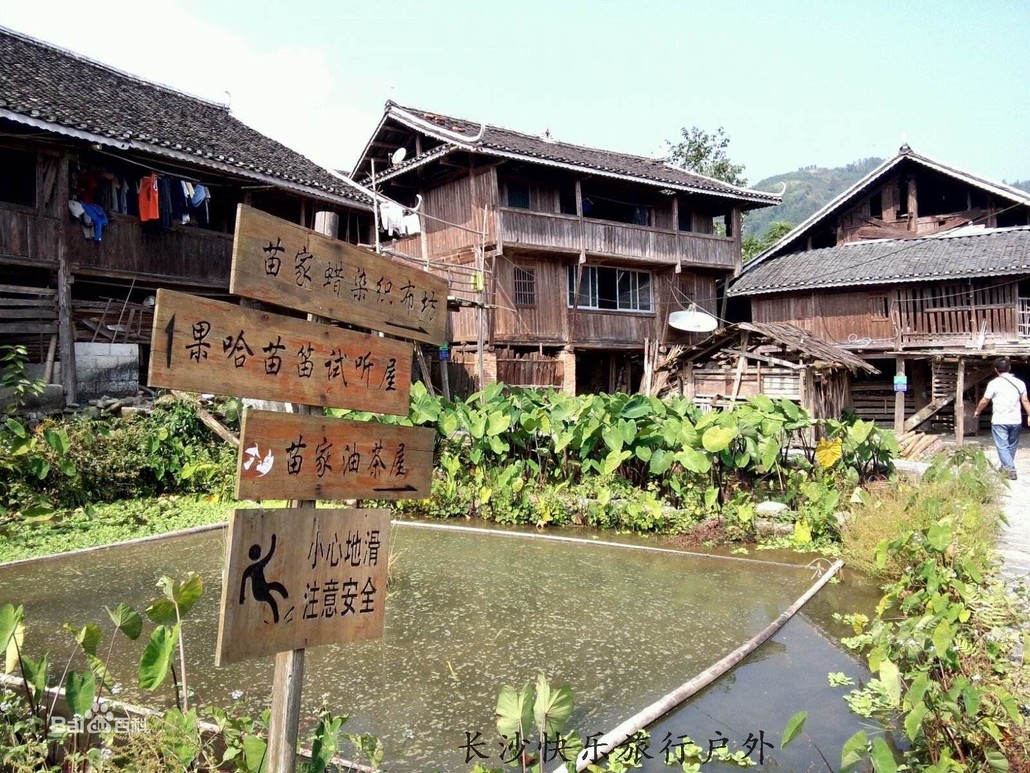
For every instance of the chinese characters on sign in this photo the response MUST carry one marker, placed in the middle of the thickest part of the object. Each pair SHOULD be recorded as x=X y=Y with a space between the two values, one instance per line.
x=673 y=750
x=299 y=578
x=283 y=263
x=294 y=456
x=202 y=345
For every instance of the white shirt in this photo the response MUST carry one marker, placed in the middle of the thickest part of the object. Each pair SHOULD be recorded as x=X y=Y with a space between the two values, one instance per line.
x=1005 y=393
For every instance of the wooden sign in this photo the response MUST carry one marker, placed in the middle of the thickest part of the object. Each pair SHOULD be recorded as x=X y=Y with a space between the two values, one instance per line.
x=279 y=262
x=297 y=578
x=296 y=456
x=201 y=345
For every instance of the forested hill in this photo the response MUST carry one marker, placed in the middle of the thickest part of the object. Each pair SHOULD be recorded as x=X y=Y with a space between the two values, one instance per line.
x=808 y=190
x=1023 y=185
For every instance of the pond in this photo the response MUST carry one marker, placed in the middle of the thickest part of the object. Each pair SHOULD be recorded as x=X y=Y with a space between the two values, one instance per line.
x=472 y=609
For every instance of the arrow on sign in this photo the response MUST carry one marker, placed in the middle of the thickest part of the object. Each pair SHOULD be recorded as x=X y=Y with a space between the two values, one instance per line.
x=414 y=328
x=170 y=330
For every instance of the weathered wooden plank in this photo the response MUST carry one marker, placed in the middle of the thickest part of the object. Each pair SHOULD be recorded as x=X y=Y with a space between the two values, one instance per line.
x=290 y=456
x=10 y=303
x=302 y=578
x=41 y=312
x=20 y=328
x=201 y=345
x=19 y=290
x=279 y=262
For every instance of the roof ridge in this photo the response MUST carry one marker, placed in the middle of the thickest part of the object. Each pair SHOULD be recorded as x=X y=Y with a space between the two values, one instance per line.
x=110 y=68
x=552 y=141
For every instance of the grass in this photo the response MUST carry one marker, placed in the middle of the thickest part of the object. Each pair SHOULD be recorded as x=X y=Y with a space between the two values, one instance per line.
x=103 y=524
x=962 y=487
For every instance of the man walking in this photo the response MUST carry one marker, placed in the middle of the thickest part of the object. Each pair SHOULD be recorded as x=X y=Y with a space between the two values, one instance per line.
x=1006 y=392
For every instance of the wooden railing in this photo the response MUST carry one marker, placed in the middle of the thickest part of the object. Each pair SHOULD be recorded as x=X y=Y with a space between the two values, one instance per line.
x=187 y=254
x=620 y=240
x=956 y=316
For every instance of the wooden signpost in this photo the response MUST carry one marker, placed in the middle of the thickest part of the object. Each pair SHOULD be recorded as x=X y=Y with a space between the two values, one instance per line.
x=201 y=345
x=288 y=265
x=291 y=456
x=301 y=578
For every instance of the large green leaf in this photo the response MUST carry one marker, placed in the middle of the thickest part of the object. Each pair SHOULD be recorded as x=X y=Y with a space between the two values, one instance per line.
x=613 y=461
x=57 y=440
x=939 y=536
x=718 y=438
x=794 y=726
x=694 y=460
x=14 y=646
x=157 y=657
x=552 y=708
x=882 y=757
x=914 y=720
x=637 y=407
x=890 y=678
x=612 y=437
x=255 y=753
x=942 y=636
x=515 y=711
x=497 y=423
x=853 y=752
x=17 y=428
x=80 y=690
x=177 y=594
x=860 y=431
x=35 y=673
x=10 y=618
x=661 y=460
x=88 y=637
x=127 y=620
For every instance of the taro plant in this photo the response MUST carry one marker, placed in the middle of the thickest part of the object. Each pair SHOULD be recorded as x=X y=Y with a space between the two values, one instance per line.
x=939 y=646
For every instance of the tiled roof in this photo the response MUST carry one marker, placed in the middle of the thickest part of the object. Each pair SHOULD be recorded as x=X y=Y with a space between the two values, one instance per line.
x=847 y=198
x=971 y=252
x=57 y=90
x=497 y=140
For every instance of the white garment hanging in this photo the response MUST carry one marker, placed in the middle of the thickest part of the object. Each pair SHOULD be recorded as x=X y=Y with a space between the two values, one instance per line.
x=391 y=216
x=411 y=224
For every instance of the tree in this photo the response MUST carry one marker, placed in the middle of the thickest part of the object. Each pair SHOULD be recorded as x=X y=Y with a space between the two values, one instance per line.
x=704 y=153
x=755 y=245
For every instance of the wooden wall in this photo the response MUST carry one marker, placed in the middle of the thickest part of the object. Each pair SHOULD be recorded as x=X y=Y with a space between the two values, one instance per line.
x=929 y=314
x=467 y=202
x=837 y=317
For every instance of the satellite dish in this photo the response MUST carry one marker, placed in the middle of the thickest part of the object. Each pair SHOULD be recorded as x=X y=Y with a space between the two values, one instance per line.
x=398 y=155
x=693 y=320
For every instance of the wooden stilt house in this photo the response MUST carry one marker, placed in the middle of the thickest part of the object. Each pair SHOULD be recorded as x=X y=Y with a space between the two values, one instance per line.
x=922 y=270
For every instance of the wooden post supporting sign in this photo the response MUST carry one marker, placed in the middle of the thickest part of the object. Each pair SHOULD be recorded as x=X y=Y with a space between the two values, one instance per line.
x=301 y=576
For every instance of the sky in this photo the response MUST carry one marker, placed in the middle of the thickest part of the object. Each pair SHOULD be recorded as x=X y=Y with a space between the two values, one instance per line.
x=794 y=83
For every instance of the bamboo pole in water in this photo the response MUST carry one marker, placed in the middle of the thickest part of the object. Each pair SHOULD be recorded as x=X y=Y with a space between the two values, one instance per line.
x=639 y=721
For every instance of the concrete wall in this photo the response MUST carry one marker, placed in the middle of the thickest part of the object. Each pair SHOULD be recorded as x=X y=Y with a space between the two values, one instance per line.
x=110 y=370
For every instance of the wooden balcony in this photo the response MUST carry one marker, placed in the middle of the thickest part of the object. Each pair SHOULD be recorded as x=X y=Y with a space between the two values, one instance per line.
x=186 y=255
x=604 y=238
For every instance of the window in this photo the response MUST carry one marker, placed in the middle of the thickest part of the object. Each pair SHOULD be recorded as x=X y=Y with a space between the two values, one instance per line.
x=876 y=205
x=880 y=307
x=18 y=177
x=518 y=194
x=525 y=286
x=567 y=202
x=610 y=289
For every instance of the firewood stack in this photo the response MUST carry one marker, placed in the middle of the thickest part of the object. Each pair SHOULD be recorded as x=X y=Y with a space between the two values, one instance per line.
x=918 y=445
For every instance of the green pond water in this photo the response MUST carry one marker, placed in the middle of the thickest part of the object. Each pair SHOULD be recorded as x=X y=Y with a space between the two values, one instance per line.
x=470 y=610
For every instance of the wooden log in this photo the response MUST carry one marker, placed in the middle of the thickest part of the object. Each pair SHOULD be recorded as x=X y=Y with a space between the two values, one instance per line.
x=960 y=412
x=620 y=733
x=899 y=398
